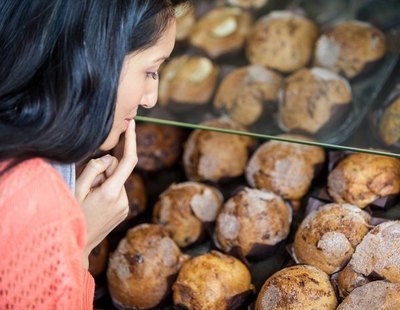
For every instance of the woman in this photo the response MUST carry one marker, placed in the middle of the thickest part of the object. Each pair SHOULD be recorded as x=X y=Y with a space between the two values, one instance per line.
x=72 y=76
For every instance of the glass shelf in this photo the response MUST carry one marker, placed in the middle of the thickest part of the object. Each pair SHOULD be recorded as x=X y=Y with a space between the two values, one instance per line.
x=357 y=130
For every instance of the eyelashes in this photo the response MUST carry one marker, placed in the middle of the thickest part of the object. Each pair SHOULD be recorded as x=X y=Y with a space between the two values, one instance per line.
x=153 y=75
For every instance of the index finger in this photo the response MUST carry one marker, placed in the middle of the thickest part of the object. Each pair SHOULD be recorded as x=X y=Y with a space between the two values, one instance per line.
x=127 y=162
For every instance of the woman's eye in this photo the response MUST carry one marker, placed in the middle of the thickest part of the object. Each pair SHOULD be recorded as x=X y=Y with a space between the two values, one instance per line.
x=153 y=75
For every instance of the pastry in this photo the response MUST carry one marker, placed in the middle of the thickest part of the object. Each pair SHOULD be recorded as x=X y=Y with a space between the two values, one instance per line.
x=389 y=124
x=185 y=20
x=98 y=258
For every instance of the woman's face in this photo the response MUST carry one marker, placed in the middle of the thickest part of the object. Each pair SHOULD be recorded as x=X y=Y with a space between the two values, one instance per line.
x=139 y=84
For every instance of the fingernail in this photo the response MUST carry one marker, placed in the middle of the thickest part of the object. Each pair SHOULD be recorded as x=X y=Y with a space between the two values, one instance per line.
x=106 y=159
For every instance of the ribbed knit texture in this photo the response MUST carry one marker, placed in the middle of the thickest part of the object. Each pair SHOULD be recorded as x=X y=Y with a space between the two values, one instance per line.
x=42 y=237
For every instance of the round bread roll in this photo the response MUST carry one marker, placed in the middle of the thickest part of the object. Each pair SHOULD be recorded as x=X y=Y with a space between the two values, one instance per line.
x=98 y=258
x=188 y=80
x=389 y=124
x=136 y=192
x=245 y=4
x=185 y=20
x=299 y=287
x=361 y=178
x=244 y=93
x=327 y=237
x=184 y=208
x=349 y=46
x=374 y=295
x=221 y=31
x=212 y=156
x=211 y=281
x=347 y=280
x=282 y=40
x=141 y=270
x=378 y=255
x=284 y=168
x=308 y=98
x=252 y=218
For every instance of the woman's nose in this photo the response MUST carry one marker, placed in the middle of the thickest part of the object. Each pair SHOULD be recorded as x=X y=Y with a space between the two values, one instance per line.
x=149 y=100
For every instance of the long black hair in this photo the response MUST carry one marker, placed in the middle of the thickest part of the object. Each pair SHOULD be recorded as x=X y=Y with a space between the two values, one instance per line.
x=60 y=64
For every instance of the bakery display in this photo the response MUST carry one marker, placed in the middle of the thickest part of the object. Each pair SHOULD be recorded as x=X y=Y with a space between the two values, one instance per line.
x=212 y=281
x=328 y=236
x=246 y=92
x=311 y=99
x=187 y=81
x=215 y=156
x=142 y=268
x=285 y=168
x=380 y=295
x=185 y=208
x=299 y=287
x=282 y=40
x=362 y=178
x=252 y=221
x=98 y=258
x=221 y=31
x=348 y=47
x=389 y=124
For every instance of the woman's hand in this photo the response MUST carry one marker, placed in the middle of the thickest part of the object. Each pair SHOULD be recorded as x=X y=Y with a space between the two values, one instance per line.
x=101 y=193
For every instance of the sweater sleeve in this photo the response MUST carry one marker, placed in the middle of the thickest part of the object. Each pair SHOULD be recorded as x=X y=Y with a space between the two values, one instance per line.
x=42 y=237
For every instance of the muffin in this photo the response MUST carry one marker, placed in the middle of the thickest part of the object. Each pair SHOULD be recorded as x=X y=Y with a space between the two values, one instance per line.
x=188 y=80
x=142 y=268
x=221 y=31
x=184 y=209
x=285 y=168
x=389 y=124
x=311 y=99
x=375 y=295
x=251 y=221
x=361 y=178
x=212 y=281
x=215 y=156
x=282 y=40
x=347 y=280
x=136 y=192
x=245 y=93
x=158 y=146
x=299 y=287
x=98 y=258
x=327 y=237
x=349 y=46
x=185 y=20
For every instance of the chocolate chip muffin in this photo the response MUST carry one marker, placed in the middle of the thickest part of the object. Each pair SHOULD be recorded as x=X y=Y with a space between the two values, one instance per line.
x=361 y=178
x=251 y=221
x=245 y=93
x=389 y=124
x=212 y=281
x=282 y=40
x=188 y=80
x=142 y=268
x=299 y=287
x=285 y=168
x=311 y=99
x=221 y=31
x=184 y=209
x=349 y=46
x=328 y=236
x=214 y=156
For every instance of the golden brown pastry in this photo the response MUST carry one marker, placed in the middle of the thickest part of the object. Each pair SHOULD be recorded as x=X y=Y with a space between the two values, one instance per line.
x=98 y=258
x=213 y=156
x=185 y=20
x=374 y=295
x=209 y=281
x=361 y=178
x=327 y=237
x=299 y=287
x=308 y=98
x=245 y=91
x=389 y=124
x=221 y=31
x=188 y=80
x=284 y=168
x=282 y=40
x=349 y=46
x=140 y=270
x=347 y=280
x=252 y=218
x=136 y=192
x=184 y=208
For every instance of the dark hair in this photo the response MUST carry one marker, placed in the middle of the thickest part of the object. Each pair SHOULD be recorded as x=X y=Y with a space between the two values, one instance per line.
x=60 y=67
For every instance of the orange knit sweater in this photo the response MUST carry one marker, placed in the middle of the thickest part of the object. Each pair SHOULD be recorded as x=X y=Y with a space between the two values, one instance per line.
x=42 y=237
